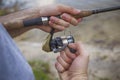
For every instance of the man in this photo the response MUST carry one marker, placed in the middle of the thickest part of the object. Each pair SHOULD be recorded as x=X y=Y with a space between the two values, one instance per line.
x=13 y=66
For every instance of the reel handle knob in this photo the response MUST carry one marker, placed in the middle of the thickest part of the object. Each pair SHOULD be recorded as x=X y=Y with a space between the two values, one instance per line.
x=72 y=50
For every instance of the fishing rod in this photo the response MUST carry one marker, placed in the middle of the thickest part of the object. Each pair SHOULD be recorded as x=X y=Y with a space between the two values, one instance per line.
x=45 y=19
x=86 y=13
x=59 y=43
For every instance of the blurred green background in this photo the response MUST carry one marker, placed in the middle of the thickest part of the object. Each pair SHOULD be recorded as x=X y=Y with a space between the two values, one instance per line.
x=99 y=33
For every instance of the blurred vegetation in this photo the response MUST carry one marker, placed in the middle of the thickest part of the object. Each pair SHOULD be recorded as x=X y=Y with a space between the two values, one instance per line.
x=6 y=9
x=41 y=70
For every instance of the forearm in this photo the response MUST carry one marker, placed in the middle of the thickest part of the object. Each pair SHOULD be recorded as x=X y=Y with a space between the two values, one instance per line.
x=17 y=32
x=14 y=22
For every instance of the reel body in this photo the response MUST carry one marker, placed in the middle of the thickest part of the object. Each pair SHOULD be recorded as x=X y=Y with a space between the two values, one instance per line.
x=60 y=43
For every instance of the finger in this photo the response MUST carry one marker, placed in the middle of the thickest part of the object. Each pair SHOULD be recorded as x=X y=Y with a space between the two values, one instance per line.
x=73 y=48
x=80 y=48
x=59 y=67
x=69 y=19
x=69 y=54
x=68 y=9
x=55 y=26
x=59 y=21
x=63 y=63
x=65 y=57
x=73 y=45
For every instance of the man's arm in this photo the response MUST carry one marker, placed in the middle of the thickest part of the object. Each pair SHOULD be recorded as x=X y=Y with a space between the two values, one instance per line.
x=14 y=22
x=17 y=32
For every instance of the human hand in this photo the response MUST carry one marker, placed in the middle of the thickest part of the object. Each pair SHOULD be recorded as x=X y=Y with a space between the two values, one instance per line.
x=73 y=66
x=56 y=23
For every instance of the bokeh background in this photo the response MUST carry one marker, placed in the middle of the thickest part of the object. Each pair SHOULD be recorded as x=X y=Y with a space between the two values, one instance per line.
x=99 y=33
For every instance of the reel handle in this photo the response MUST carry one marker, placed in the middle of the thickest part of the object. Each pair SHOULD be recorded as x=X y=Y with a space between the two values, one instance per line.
x=72 y=50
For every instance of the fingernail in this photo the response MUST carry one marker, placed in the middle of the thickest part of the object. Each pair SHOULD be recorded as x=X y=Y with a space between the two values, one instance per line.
x=52 y=19
x=62 y=28
x=74 y=22
x=66 y=17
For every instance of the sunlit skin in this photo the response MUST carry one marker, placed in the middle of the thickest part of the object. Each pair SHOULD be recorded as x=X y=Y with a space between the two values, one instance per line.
x=50 y=10
x=73 y=66
x=69 y=66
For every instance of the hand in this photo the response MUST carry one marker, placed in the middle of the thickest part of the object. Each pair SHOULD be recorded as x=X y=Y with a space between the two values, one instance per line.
x=73 y=66
x=56 y=23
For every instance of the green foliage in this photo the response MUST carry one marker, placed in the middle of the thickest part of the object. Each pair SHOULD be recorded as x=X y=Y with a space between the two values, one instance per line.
x=7 y=10
x=3 y=12
x=41 y=70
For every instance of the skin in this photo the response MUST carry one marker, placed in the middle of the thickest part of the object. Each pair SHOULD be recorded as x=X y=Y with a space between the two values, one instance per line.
x=73 y=66
x=57 y=24
x=69 y=66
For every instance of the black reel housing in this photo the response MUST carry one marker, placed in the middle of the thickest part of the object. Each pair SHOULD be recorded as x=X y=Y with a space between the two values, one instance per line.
x=60 y=43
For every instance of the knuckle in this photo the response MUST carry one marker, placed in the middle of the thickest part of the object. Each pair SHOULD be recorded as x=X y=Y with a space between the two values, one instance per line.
x=68 y=61
x=65 y=58
x=66 y=17
x=67 y=24
x=63 y=62
x=58 y=21
x=66 y=66
x=64 y=14
x=62 y=70
x=74 y=22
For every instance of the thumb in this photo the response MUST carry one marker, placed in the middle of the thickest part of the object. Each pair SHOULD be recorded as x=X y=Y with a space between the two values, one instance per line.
x=68 y=9
x=73 y=48
x=79 y=47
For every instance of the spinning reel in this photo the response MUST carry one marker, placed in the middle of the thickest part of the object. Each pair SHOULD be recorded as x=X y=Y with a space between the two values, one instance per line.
x=58 y=44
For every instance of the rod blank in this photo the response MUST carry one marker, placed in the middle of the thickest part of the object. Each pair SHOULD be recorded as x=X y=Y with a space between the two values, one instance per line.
x=105 y=10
